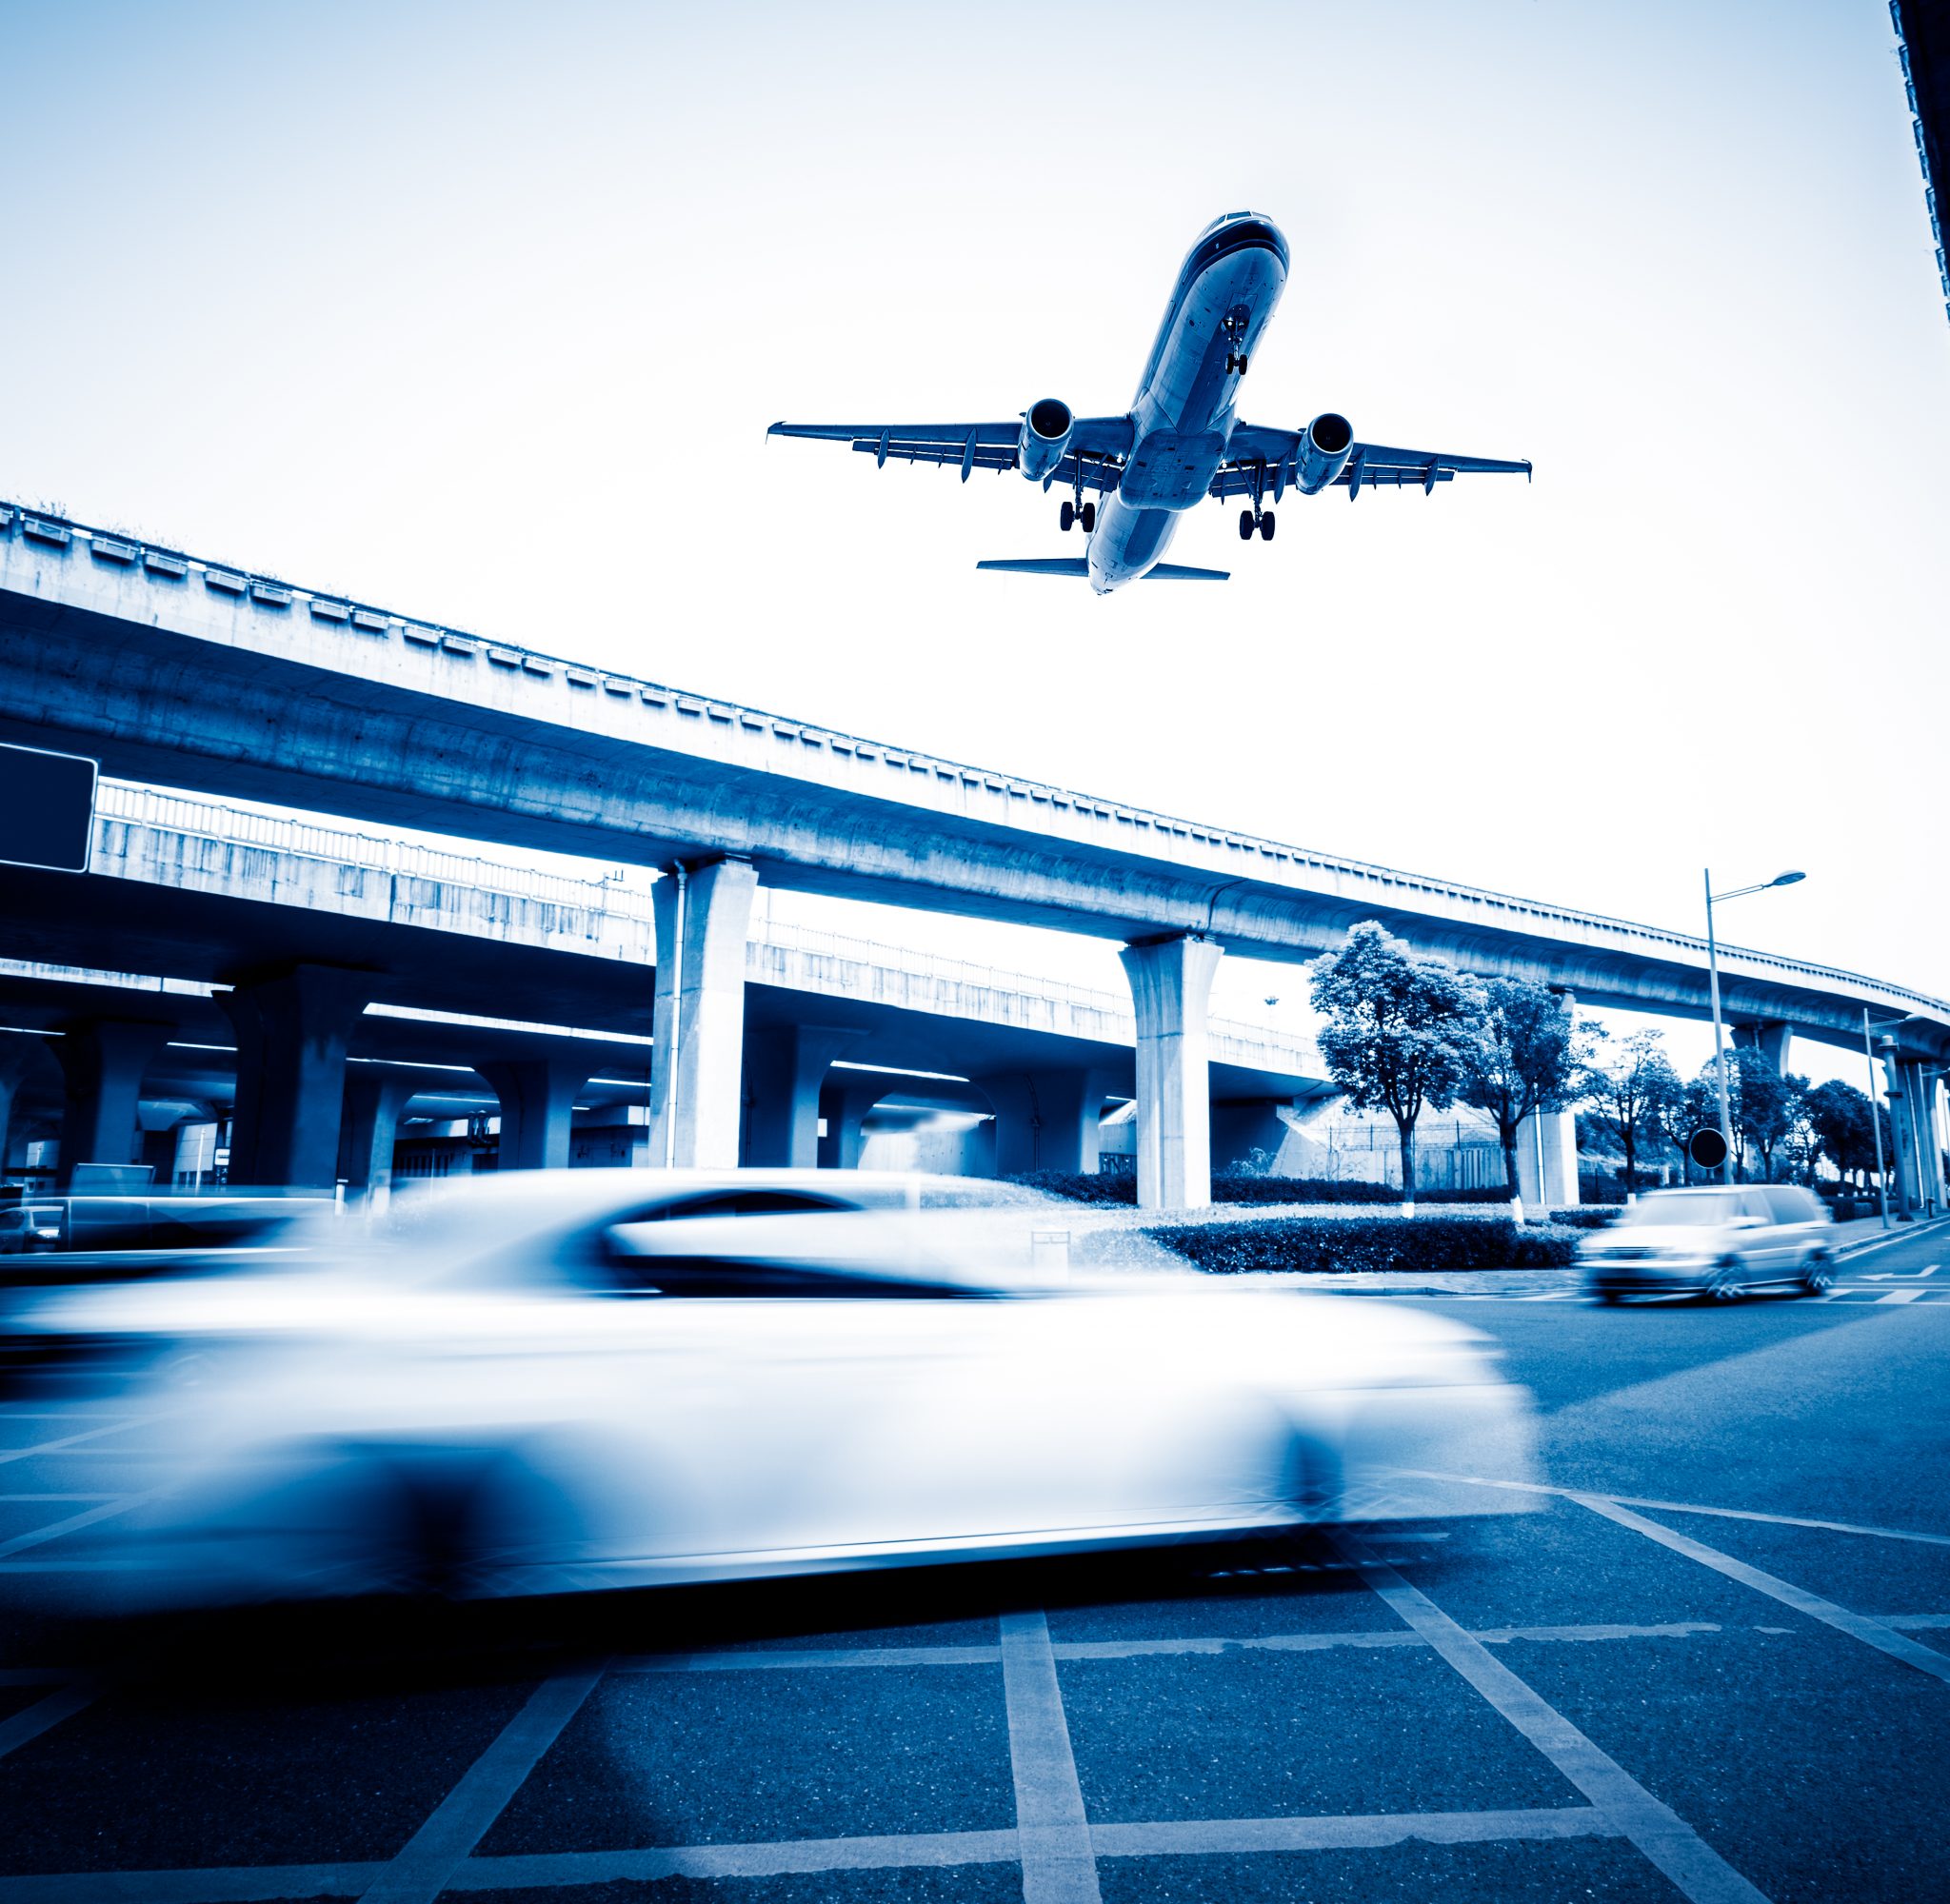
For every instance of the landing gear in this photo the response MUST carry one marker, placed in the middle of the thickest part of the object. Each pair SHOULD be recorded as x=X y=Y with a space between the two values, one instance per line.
x=1266 y=526
x=1087 y=516
x=1235 y=360
x=1246 y=525
x=1248 y=522
x=1072 y=513
x=1065 y=517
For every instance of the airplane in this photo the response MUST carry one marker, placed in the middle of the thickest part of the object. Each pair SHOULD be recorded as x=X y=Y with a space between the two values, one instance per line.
x=1180 y=442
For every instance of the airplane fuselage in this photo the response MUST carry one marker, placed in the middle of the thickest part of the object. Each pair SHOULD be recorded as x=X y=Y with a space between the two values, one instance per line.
x=1183 y=413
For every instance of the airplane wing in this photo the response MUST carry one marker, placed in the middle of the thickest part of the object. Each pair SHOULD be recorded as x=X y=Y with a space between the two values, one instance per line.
x=1268 y=456
x=1097 y=446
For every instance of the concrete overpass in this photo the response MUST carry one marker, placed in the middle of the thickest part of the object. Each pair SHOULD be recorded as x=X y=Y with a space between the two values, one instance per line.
x=418 y=938
x=176 y=669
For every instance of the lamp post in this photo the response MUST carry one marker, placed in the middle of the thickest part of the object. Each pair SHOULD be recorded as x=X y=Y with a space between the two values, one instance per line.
x=1714 y=899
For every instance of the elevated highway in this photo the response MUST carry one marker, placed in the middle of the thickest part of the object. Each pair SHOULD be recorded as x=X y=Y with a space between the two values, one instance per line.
x=176 y=669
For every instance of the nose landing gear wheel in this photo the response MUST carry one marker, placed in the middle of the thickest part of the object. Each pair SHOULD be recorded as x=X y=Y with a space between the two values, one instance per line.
x=1267 y=525
x=1087 y=516
x=1065 y=517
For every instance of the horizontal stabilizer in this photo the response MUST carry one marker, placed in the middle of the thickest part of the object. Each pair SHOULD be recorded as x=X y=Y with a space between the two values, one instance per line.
x=1076 y=565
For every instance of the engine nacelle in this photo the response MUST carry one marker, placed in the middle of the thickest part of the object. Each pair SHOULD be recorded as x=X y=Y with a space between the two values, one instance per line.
x=1045 y=435
x=1325 y=448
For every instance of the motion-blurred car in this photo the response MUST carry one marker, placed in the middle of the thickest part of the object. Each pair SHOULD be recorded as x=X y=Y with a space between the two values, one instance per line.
x=558 y=1381
x=1720 y=1243
x=29 y=1227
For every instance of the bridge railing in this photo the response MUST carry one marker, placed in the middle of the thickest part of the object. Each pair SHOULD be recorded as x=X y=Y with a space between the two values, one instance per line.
x=626 y=895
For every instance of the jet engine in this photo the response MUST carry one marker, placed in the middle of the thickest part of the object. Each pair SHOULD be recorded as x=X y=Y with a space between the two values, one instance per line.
x=1045 y=435
x=1324 y=446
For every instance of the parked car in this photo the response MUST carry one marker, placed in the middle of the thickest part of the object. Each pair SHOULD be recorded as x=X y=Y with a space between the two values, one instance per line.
x=1720 y=1243
x=555 y=1382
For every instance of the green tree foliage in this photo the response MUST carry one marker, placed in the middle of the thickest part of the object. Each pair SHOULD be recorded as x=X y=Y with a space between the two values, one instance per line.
x=1396 y=1030
x=1766 y=1106
x=1624 y=1084
x=1521 y=1059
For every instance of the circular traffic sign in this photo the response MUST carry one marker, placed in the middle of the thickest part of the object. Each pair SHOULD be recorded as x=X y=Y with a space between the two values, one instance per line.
x=1708 y=1148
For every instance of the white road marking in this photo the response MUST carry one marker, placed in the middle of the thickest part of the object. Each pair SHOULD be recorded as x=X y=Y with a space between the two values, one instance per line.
x=86 y=1518
x=44 y=1714
x=549 y=1871
x=1054 y=1835
x=116 y=1427
x=1689 y=1507
x=1899 y=1295
x=837 y=1657
x=425 y=1866
x=1659 y=1832
x=1857 y=1626
x=60 y=1496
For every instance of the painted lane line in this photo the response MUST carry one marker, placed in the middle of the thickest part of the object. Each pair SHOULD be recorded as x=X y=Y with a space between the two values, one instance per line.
x=60 y=1496
x=1658 y=1831
x=1901 y=1295
x=1857 y=1626
x=118 y=1427
x=1051 y=1828
x=86 y=1518
x=44 y=1714
x=549 y=1871
x=1691 y=1507
x=425 y=1866
x=1202 y=1837
x=1914 y=1622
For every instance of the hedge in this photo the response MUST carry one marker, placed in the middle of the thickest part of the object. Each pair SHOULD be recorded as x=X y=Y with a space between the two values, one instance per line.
x=1587 y=1216
x=1318 y=1245
x=1236 y=1186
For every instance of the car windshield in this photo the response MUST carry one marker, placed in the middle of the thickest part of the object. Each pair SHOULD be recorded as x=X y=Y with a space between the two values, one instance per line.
x=1668 y=1211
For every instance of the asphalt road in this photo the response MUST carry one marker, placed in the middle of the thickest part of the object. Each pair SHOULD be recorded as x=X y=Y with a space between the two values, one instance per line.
x=1714 y=1665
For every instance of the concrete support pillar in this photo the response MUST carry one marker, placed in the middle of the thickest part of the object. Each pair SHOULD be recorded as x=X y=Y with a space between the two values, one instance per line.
x=103 y=1062
x=1923 y=1157
x=291 y=1036
x=1045 y=1120
x=785 y=1068
x=1548 y=1162
x=537 y=1107
x=1906 y=1176
x=369 y=1130
x=843 y=1109
x=700 y=933
x=1773 y=1041
x=1171 y=983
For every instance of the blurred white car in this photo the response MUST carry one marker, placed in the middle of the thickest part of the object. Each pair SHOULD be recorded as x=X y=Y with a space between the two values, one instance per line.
x=565 y=1381
x=1721 y=1243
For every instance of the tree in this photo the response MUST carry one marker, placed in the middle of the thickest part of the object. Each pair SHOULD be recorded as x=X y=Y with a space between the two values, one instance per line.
x=1839 y=1115
x=1679 y=1113
x=1624 y=1087
x=1521 y=1060
x=1396 y=1029
x=1703 y=1092
x=1767 y=1106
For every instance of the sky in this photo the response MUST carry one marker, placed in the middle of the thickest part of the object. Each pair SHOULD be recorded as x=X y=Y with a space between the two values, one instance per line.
x=480 y=312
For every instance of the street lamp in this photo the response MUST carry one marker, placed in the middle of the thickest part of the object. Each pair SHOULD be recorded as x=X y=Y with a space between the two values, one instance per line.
x=1712 y=899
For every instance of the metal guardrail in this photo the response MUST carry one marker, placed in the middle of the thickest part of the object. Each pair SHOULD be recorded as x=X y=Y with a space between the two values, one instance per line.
x=626 y=895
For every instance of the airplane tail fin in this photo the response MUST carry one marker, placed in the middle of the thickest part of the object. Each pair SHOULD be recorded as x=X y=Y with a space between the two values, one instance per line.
x=1076 y=565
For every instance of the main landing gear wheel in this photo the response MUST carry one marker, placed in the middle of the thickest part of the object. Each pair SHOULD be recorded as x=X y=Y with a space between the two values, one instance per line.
x=1067 y=516
x=1267 y=525
x=1246 y=525
x=1087 y=516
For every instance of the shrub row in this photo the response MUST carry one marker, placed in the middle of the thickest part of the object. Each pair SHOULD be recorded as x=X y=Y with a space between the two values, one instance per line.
x=1587 y=1216
x=1236 y=1186
x=1314 y=1245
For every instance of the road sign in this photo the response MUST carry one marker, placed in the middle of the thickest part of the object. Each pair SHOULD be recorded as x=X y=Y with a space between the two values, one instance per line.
x=1708 y=1148
x=46 y=809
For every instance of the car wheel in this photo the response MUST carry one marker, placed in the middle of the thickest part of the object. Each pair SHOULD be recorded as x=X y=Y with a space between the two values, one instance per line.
x=1608 y=1297
x=1818 y=1273
x=1726 y=1285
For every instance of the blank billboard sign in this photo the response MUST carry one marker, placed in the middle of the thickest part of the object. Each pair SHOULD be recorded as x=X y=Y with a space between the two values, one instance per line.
x=46 y=809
